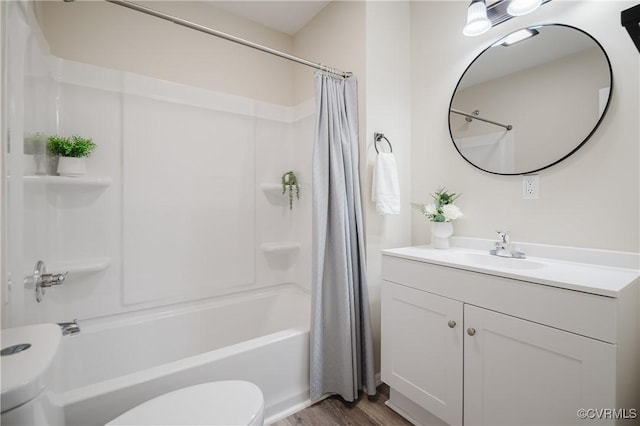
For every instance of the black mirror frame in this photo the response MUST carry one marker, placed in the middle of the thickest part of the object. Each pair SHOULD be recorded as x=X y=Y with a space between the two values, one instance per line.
x=604 y=112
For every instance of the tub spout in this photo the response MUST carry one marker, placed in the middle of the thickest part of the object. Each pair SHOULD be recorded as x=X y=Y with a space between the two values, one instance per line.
x=70 y=327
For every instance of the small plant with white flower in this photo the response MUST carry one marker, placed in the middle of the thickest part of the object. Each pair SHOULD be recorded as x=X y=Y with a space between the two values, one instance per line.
x=442 y=209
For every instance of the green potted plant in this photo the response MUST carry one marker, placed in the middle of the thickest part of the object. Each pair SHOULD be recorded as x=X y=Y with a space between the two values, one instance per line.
x=290 y=187
x=72 y=152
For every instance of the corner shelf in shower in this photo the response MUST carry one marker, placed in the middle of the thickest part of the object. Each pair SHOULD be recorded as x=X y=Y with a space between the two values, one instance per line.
x=81 y=266
x=273 y=192
x=285 y=247
x=271 y=188
x=84 y=181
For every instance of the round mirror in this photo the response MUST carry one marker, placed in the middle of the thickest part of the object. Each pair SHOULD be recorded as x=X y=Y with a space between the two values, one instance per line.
x=530 y=100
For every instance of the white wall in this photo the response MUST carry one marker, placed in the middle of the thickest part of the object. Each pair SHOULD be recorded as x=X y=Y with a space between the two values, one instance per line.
x=173 y=176
x=185 y=216
x=388 y=99
x=26 y=88
x=335 y=37
x=3 y=211
x=115 y=37
x=588 y=200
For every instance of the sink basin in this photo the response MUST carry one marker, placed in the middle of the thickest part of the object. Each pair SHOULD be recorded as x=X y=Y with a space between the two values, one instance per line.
x=487 y=260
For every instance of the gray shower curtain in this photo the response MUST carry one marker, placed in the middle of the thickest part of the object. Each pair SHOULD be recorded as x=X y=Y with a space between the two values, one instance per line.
x=341 y=353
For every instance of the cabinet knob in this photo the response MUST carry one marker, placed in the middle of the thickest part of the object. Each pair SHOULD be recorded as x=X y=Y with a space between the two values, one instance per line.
x=452 y=324
x=471 y=331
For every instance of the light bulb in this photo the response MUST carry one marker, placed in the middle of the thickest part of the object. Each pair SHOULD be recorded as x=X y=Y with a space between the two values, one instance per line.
x=477 y=21
x=522 y=7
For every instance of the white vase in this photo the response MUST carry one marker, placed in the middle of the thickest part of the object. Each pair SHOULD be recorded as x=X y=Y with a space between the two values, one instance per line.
x=71 y=166
x=440 y=233
x=29 y=165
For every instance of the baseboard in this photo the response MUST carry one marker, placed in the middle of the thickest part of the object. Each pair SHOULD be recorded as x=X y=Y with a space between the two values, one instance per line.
x=292 y=409
x=411 y=411
x=403 y=413
x=287 y=412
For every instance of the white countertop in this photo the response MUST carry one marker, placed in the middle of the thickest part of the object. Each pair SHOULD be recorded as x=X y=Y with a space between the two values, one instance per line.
x=585 y=277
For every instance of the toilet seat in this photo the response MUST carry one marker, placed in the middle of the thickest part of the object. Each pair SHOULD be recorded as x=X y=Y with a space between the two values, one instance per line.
x=216 y=403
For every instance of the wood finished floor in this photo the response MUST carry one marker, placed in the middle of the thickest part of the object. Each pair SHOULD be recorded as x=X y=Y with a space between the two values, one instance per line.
x=334 y=411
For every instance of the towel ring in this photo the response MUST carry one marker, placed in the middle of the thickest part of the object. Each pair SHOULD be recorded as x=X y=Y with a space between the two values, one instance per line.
x=377 y=137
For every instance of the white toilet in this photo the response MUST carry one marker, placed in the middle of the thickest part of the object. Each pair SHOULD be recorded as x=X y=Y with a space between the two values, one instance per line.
x=30 y=360
x=29 y=371
x=215 y=403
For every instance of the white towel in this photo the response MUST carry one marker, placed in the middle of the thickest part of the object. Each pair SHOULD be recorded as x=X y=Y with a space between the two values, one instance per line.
x=385 y=191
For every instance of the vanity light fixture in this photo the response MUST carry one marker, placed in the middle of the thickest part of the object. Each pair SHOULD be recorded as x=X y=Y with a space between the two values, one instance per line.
x=477 y=21
x=631 y=21
x=518 y=36
x=522 y=7
x=496 y=13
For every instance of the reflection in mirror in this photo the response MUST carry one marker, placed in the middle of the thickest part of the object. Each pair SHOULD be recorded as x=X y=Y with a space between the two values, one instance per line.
x=526 y=104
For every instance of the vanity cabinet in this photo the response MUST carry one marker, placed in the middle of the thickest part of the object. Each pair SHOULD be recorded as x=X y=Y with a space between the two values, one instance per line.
x=479 y=349
x=422 y=349
x=520 y=372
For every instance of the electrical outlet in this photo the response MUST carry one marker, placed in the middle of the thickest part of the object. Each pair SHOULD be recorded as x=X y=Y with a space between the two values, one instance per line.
x=530 y=187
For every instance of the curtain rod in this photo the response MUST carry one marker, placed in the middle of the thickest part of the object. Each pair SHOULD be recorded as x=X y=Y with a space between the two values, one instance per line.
x=225 y=36
x=475 y=117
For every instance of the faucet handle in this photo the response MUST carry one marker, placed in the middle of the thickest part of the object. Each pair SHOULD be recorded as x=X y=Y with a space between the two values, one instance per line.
x=503 y=236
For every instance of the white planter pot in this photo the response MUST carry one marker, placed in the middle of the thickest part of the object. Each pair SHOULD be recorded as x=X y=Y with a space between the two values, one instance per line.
x=440 y=233
x=71 y=166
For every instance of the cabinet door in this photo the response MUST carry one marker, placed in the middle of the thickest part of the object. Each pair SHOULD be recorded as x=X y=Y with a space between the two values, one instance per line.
x=517 y=372
x=422 y=349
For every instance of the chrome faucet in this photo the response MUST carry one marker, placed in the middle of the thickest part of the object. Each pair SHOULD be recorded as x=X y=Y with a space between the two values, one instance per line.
x=70 y=327
x=40 y=280
x=503 y=247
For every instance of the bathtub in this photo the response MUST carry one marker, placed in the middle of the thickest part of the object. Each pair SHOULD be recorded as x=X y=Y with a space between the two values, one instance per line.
x=117 y=363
